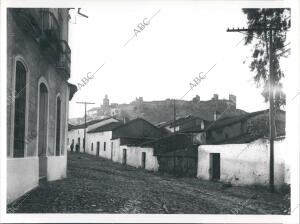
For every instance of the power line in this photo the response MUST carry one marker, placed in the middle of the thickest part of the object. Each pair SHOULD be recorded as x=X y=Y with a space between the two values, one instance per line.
x=85 y=103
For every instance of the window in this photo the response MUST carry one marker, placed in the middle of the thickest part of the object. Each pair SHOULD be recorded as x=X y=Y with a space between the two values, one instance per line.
x=104 y=146
x=111 y=145
x=226 y=135
x=58 y=125
x=68 y=141
x=20 y=109
x=92 y=146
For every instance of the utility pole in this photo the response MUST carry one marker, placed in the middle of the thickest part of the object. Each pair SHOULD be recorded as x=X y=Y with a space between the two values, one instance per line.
x=85 y=103
x=271 y=112
x=271 y=95
x=174 y=113
x=174 y=142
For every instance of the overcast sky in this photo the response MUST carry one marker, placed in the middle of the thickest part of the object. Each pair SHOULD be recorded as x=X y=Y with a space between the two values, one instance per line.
x=182 y=40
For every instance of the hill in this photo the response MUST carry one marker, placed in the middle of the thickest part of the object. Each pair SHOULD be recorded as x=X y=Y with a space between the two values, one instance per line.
x=159 y=111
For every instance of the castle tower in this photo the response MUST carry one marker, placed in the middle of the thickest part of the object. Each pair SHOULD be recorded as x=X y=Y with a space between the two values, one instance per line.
x=232 y=99
x=106 y=102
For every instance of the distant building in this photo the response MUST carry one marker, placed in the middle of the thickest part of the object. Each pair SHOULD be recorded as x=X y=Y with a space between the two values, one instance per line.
x=38 y=69
x=183 y=123
x=115 y=111
x=93 y=113
x=105 y=110
x=76 y=132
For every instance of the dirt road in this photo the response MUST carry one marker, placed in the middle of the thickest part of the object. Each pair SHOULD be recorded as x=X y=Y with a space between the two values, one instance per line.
x=96 y=185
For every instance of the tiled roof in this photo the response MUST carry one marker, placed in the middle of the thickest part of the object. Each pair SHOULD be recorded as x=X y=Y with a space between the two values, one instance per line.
x=193 y=129
x=178 y=121
x=165 y=137
x=81 y=126
x=107 y=127
x=231 y=120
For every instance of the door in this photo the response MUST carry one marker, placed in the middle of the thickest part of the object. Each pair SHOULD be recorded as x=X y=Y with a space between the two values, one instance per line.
x=215 y=166
x=98 y=149
x=124 y=156
x=143 y=160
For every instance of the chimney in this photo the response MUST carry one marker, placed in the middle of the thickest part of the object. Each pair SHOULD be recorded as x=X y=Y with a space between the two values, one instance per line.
x=216 y=115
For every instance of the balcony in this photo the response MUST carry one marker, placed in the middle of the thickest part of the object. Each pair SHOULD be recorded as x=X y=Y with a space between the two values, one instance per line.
x=46 y=30
x=64 y=60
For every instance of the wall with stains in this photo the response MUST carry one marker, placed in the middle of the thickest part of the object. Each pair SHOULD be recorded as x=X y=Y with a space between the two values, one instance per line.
x=134 y=157
x=245 y=164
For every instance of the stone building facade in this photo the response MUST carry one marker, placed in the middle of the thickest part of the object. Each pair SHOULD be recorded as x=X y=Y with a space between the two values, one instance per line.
x=38 y=69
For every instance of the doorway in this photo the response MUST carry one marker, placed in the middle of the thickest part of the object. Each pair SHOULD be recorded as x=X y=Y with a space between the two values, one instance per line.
x=215 y=166
x=98 y=149
x=78 y=147
x=42 y=132
x=124 y=157
x=143 y=160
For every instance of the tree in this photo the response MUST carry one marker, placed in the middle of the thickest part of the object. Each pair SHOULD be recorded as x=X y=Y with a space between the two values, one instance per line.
x=261 y=18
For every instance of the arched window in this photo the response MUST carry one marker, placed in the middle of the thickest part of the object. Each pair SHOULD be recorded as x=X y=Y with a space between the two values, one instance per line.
x=20 y=110
x=58 y=125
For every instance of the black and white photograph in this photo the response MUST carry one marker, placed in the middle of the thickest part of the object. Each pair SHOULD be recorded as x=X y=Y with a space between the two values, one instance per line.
x=150 y=108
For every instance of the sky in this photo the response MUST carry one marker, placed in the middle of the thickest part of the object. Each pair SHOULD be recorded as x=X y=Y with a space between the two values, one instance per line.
x=181 y=40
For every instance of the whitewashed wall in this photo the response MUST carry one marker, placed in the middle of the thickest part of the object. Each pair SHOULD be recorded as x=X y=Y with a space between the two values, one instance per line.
x=22 y=176
x=75 y=134
x=134 y=157
x=99 y=137
x=117 y=156
x=245 y=164
x=56 y=167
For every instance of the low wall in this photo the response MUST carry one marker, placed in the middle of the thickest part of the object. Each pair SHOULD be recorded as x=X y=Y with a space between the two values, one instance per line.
x=245 y=164
x=56 y=167
x=22 y=176
x=134 y=157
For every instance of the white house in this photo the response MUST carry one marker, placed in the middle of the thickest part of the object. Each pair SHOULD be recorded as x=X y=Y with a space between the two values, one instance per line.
x=243 y=164
x=76 y=132
x=120 y=143
x=99 y=140
x=136 y=156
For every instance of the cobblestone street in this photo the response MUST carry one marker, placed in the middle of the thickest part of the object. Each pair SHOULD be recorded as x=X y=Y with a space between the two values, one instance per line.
x=96 y=185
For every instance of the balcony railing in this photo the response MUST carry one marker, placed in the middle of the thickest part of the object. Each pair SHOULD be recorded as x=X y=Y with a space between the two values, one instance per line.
x=64 y=61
